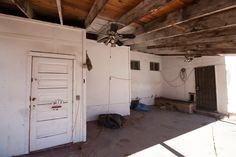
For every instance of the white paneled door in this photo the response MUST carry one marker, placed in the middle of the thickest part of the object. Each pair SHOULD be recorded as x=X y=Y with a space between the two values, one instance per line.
x=51 y=103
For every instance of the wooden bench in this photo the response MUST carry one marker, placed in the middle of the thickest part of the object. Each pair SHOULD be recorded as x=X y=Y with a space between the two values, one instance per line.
x=172 y=104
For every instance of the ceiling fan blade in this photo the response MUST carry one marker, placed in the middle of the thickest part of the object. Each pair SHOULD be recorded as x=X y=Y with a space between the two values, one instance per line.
x=119 y=43
x=129 y=36
x=102 y=39
x=114 y=27
x=197 y=56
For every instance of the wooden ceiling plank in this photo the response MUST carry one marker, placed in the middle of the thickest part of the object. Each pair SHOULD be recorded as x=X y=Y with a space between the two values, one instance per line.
x=96 y=8
x=25 y=7
x=59 y=8
x=160 y=31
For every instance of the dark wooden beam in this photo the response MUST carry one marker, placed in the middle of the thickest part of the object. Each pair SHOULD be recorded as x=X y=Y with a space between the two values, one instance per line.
x=143 y=8
x=25 y=7
x=91 y=36
x=97 y=7
x=192 y=22
x=59 y=9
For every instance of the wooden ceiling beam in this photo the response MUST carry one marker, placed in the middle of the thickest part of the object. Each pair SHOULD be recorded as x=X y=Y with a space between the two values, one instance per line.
x=203 y=52
x=188 y=49
x=207 y=20
x=191 y=41
x=216 y=35
x=25 y=7
x=219 y=45
x=184 y=54
x=59 y=9
x=143 y=8
x=156 y=51
x=186 y=14
x=205 y=34
x=96 y=8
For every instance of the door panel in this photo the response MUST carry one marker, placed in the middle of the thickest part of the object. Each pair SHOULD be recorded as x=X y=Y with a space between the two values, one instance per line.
x=205 y=88
x=45 y=112
x=51 y=103
x=45 y=96
x=51 y=128
x=59 y=68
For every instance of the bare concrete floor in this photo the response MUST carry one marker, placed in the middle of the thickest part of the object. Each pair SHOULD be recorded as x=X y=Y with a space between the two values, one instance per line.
x=156 y=133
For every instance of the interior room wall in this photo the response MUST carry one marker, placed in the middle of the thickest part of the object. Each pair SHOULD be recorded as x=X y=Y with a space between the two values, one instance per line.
x=145 y=84
x=173 y=87
x=18 y=37
x=108 y=83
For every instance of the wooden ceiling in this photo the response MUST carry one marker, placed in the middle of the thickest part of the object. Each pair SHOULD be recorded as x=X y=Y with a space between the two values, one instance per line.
x=162 y=27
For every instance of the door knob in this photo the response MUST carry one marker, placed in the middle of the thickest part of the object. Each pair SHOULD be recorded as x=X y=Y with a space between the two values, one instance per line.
x=33 y=99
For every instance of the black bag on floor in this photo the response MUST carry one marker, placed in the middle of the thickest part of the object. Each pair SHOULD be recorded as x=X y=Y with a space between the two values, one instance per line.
x=112 y=121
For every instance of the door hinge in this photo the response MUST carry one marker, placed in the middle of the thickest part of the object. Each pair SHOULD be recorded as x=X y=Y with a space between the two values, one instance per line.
x=32 y=79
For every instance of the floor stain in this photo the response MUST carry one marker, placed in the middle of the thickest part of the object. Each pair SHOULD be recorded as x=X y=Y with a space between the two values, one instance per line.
x=124 y=140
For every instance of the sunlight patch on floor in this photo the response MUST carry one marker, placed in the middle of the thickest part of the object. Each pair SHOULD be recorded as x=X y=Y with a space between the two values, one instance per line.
x=214 y=140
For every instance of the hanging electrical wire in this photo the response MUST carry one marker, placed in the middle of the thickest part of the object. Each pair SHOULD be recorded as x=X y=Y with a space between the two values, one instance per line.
x=182 y=75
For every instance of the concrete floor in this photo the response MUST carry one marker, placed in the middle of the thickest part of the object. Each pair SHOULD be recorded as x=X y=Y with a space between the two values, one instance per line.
x=156 y=133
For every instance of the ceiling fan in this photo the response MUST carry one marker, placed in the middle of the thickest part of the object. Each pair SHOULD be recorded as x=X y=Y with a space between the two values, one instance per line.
x=190 y=55
x=113 y=37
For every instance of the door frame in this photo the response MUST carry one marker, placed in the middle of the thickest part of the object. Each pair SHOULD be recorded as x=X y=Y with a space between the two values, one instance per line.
x=75 y=102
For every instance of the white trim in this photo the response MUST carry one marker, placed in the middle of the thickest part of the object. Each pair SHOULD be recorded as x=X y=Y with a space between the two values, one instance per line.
x=130 y=79
x=4 y=16
x=75 y=104
x=37 y=38
x=84 y=85
x=51 y=55
x=28 y=94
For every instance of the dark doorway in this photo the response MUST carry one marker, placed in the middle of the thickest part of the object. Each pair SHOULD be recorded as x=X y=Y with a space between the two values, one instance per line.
x=205 y=88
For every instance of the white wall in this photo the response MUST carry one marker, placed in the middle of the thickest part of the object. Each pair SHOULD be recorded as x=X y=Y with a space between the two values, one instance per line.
x=230 y=62
x=176 y=89
x=145 y=84
x=108 y=83
x=18 y=37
